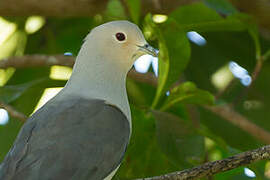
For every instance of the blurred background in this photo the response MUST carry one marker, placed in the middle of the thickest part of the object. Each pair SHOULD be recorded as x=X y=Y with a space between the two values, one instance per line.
x=205 y=98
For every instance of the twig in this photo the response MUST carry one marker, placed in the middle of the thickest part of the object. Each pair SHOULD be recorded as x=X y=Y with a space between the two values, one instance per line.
x=76 y=8
x=13 y=112
x=240 y=121
x=254 y=76
x=38 y=60
x=215 y=167
x=229 y=86
x=257 y=69
x=266 y=56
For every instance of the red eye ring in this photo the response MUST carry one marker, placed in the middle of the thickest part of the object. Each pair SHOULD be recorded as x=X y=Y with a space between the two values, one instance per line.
x=120 y=36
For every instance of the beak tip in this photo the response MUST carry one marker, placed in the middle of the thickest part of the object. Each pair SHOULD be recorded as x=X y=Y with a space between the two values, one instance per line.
x=149 y=50
x=156 y=52
x=152 y=51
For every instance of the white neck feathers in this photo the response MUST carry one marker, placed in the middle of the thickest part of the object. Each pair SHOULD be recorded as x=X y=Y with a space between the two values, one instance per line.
x=95 y=77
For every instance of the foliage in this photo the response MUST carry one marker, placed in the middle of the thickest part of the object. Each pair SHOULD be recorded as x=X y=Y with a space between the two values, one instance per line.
x=169 y=132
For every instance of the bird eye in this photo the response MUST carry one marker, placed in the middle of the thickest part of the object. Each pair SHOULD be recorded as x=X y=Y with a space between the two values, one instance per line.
x=120 y=36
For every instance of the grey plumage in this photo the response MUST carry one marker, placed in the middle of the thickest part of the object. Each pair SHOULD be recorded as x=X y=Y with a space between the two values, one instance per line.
x=75 y=138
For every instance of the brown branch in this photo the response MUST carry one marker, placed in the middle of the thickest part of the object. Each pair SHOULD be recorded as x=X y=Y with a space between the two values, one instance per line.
x=266 y=56
x=148 y=78
x=38 y=60
x=211 y=168
x=240 y=121
x=254 y=75
x=13 y=112
x=77 y=8
x=257 y=69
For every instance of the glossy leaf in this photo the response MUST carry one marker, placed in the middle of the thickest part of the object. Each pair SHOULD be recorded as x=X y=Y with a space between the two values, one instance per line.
x=134 y=7
x=174 y=54
x=188 y=93
x=221 y=6
x=203 y=19
x=144 y=157
x=177 y=138
x=115 y=10
x=10 y=93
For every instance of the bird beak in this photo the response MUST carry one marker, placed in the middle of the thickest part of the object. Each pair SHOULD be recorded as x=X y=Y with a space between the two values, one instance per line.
x=148 y=50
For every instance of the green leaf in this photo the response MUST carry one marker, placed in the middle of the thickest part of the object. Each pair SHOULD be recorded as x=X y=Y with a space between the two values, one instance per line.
x=252 y=29
x=221 y=6
x=134 y=7
x=163 y=57
x=56 y=39
x=234 y=174
x=33 y=81
x=144 y=157
x=194 y=14
x=188 y=93
x=115 y=10
x=178 y=139
x=259 y=168
x=10 y=93
x=266 y=55
x=164 y=68
x=200 y=18
x=174 y=54
x=140 y=94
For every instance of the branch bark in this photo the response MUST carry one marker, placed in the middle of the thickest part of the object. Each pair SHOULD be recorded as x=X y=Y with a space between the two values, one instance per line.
x=211 y=168
x=77 y=8
x=227 y=113
x=13 y=112
x=39 y=60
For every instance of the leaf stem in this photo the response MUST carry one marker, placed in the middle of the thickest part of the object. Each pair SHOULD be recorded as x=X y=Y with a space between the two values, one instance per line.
x=266 y=55
x=176 y=100
x=13 y=112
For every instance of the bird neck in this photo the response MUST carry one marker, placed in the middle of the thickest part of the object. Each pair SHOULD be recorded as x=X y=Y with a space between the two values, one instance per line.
x=97 y=78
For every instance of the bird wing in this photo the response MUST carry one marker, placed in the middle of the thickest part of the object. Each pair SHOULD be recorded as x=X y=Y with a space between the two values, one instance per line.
x=69 y=139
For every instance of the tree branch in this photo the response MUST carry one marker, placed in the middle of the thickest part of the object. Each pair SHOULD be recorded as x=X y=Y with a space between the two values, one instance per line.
x=38 y=60
x=77 y=8
x=13 y=112
x=227 y=113
x=211 y=168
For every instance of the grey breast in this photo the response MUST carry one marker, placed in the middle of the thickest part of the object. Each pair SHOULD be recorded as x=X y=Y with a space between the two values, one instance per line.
x=74 y=138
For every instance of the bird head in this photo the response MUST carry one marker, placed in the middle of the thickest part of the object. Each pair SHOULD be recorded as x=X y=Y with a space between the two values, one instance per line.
x=121 y=42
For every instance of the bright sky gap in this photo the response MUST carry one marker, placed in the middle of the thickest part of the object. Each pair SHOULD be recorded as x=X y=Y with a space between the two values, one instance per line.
x=249 y=173
x=240 y=73
x=196 y=38
x=4 y=118
x=143 y=63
